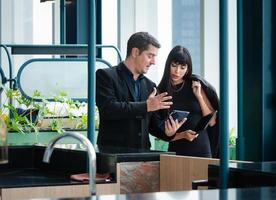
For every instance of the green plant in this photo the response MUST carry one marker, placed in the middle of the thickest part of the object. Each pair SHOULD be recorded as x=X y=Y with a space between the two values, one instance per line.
x=19 y=119
x=64 y=113
x=25 y=115
x=232 y=137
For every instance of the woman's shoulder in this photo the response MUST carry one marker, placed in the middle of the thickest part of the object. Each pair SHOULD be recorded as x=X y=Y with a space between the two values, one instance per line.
x=195 y=77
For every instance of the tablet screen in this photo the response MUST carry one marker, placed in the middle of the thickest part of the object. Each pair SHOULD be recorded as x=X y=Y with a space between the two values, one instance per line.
x=179 y=114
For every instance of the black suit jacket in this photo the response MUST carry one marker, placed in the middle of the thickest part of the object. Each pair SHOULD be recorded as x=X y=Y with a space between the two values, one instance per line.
x=213 y=132
x=124 y=122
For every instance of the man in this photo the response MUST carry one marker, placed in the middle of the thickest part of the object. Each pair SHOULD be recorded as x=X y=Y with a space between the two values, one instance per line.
x=126 y=99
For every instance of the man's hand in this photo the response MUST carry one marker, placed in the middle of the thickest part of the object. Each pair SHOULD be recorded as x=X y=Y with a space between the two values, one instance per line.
x=171 y=125
x=157 y=102
x=188 y=135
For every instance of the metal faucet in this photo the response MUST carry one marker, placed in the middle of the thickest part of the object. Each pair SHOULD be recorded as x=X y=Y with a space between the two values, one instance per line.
x=90 y=151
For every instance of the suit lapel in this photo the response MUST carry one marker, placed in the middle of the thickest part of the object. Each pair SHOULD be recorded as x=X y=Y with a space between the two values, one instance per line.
x=126 y=80
x=144 y=92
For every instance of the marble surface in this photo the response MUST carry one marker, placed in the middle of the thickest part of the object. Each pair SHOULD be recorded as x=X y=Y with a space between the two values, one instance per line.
x=139 y=177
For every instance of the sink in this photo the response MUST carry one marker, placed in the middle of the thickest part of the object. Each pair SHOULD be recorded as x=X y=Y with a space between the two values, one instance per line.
x=26 y=169
x=32 y=177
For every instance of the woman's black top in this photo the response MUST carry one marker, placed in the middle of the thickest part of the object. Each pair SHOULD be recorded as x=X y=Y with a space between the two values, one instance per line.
x=184 y=99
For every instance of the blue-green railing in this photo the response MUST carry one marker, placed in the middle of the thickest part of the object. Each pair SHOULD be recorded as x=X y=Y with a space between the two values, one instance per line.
x=59 y=61
x=223 y=117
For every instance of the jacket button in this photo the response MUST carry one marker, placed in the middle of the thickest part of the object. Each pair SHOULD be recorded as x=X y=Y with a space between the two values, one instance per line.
x=139 y=134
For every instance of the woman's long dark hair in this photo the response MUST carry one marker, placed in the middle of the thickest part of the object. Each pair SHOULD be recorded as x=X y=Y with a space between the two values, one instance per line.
x=180 y=55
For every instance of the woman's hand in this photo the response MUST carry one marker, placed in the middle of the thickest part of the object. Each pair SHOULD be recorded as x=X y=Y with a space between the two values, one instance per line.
x=196 y=87
x=171 y=125
x=188 y=135
x=205 y=105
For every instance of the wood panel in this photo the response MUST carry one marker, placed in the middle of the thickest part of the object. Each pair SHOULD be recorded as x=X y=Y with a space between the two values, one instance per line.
x=57 y=191
x=44 y=192
x=108 y=188
x=178 y=172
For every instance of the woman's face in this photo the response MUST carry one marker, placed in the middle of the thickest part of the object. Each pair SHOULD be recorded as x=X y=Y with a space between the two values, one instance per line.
x=178 y=71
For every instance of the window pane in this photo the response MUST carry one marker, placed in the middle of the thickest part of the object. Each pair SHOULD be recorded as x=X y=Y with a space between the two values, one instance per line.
x=186 y=28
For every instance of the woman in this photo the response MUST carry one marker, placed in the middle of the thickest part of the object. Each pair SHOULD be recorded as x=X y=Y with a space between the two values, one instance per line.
x=190 y=93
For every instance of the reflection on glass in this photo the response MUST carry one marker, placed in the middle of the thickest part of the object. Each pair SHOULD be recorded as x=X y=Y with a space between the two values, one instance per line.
x=3 y=142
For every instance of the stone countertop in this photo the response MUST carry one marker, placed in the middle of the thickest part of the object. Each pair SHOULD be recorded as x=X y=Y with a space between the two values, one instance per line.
x=122 y=154
x=108 y=157
x=33 y=177
x=254 y=174
x=26 y=168
x=265 y=167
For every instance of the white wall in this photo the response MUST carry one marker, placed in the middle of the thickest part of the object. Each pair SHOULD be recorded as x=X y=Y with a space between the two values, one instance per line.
x=211 y=52
x=42 y=22
x=233 y=95
x=164 y=33
x=211 y=42
x=150 y=16
x=109 y=29
x=16 y=18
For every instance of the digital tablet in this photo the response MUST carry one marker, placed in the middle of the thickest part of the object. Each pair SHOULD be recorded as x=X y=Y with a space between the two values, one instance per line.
x=204 y=122
x=179 y=114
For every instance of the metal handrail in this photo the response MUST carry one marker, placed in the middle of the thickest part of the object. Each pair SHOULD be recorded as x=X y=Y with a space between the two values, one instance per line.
x=56 y=49
x=10 y=66
x=26 y=64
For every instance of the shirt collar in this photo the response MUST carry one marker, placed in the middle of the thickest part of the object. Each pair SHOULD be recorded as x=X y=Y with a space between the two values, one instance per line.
x=130 y=74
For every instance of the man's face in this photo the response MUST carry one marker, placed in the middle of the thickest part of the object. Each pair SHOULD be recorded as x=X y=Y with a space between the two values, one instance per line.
x=144 y=60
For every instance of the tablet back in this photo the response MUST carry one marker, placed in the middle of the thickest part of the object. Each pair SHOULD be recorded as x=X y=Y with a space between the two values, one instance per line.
x=204 y=121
